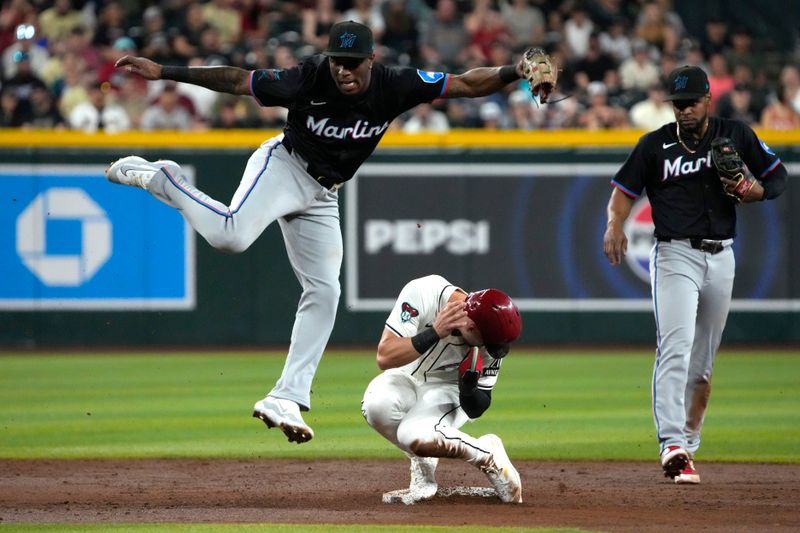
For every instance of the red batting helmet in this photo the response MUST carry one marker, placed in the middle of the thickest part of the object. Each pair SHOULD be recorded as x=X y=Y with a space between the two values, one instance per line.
x=496 y=317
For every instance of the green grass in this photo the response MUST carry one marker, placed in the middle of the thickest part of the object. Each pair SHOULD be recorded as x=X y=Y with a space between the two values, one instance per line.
x=276 y=528
x=546 y=406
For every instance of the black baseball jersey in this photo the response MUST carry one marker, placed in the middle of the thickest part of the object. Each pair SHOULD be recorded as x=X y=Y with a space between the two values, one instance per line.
x=684 y=188
x=333 y=132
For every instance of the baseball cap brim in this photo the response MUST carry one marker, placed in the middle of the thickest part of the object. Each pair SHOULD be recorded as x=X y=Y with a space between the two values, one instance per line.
x=684 y=96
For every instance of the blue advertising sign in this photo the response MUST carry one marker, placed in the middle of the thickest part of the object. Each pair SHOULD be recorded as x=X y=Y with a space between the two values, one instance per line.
x=69 y=239
x=536 y=231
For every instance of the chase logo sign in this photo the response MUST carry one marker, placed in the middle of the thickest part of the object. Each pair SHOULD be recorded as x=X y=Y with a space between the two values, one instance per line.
x=71 y=240
x=347 y=40
x=430 y=77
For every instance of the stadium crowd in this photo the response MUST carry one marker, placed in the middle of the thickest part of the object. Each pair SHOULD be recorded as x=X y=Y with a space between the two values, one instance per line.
x=58 y=60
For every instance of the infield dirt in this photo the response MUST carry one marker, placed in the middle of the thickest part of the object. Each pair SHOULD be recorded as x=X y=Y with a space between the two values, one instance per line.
x=609 y=496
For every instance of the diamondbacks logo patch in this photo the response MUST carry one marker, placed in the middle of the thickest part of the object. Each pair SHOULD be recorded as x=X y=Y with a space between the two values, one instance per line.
x=407 y=312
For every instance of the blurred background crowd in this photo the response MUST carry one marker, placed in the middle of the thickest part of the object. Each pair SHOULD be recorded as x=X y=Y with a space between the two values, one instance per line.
x=58 y=57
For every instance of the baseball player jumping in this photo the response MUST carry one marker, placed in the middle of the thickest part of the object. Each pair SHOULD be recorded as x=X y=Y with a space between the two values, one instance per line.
x=340 y=105
x=696 y=171
x=433 y=383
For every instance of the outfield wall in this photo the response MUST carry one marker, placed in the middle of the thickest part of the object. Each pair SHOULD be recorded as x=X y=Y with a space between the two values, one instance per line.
x=85 y=263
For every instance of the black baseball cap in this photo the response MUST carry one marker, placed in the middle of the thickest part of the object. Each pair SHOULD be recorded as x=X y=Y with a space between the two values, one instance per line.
x=686 y=83
x=349 y=39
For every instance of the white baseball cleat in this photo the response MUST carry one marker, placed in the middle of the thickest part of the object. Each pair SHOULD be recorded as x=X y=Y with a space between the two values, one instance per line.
x=283 y=414
x=132 y=170
x=423 y=477
x=500 y=471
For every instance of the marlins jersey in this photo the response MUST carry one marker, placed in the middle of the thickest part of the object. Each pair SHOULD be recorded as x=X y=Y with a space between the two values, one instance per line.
x=683 y=185
x=415 y=310
x=334 y=132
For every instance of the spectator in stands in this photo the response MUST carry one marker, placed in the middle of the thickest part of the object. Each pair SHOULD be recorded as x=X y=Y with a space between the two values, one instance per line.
x=233 y=113
x=741 y=51
x=486 y=27
x=43 y=111
x=24 y=43
x=491 y=115
x=79 y=43
x=737 y=105
x=599 y=114
x=401 y=29
x=596 y=62
x=639 y=72
x=166 y=113
x=222 y=15
x=715 y=40
x=186 y=43
x=56 y=22
x=426 y=119
x=667 y=64
x=318 y=18
x=790 y=79
x=653 y=28
x=96 y=114
x=444 y=43
x=523 y=113
x=121 y=47
x=577 y=30
x=368 y=13
x=11 y=114
x=154 y=40
x=23 y=82
x=132 y=97
x=110 y=26
x=615 y=42
x=654 y=112
x=525 y=23
x=780 y=115
x=720 y=81
x=459 y=114
x=14 y=14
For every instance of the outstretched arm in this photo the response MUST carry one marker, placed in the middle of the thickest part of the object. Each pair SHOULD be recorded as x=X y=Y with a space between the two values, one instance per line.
x=231 y=80
x=482 y=81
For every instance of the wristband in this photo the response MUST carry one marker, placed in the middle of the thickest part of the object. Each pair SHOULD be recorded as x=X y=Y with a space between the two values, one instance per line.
x=508 y=73
x=424 y=340
x=169 y=72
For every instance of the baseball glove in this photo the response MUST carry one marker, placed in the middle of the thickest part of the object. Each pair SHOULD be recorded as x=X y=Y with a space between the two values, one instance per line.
x=730 y=166
x=539 y=71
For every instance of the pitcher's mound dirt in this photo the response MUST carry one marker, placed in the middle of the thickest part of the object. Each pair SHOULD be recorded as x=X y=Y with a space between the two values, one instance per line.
x=630 y=497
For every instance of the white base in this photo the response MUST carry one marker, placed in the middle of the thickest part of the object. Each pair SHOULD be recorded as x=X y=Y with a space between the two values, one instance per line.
x=407 y=497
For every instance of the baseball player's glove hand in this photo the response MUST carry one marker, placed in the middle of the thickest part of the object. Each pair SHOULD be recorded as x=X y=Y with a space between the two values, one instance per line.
x=737 y=180
x=538 y=69
x=469 y=371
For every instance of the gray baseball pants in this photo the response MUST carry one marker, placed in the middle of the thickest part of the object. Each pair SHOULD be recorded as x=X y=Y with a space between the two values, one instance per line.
x=691 y=292
x=275 y=186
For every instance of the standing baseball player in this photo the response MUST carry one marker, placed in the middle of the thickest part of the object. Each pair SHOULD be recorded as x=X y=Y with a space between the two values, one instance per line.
x=340 y=105
x=696 y=171
x=435 y=380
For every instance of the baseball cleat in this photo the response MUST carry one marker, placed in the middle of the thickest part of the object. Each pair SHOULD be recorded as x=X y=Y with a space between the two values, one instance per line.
x=500 y=471
x=688 y=475
x=423 y=478
x=673 y=460
x=283 y=414
x=132 y=170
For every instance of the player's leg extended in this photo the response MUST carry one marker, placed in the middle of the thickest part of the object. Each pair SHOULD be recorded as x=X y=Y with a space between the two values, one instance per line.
x=676 y=275
x=314 y=246
x=387 y=400
x=268 y=189
x=712 y=313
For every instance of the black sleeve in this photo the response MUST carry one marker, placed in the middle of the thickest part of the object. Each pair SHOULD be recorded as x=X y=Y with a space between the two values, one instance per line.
x=410 y=87
x=476 y=404
x=276 y=87
x=630 y=177
x=765 y=165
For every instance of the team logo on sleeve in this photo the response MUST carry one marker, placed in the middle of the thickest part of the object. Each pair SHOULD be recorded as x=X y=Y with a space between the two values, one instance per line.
x=430 y=77
x=407 y=312
x=270 y=74
x=766 y=148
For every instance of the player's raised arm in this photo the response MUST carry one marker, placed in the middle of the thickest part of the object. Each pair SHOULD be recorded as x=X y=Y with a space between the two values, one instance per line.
x=224 y=79
x=534 y=65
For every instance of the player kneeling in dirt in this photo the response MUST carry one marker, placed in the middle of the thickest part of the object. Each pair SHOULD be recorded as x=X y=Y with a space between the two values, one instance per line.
x=441 y=351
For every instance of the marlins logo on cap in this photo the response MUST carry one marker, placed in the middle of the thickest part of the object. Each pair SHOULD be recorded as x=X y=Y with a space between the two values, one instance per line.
x=349 y=39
